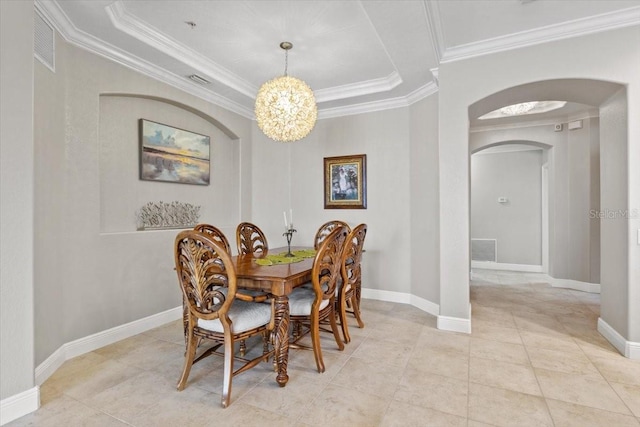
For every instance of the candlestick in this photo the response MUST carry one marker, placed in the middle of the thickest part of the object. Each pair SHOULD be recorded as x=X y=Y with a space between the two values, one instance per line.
x=289 y=234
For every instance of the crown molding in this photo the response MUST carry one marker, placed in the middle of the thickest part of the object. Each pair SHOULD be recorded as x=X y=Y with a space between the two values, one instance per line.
x=52 y=11
x=54 y=14
x=129 y=24
x=422 y=92
x=434 y=73
x=386 y=104
x=368 y=87
x=124 y=22
x=366 y=107
x=605 y=22
x=434 y=23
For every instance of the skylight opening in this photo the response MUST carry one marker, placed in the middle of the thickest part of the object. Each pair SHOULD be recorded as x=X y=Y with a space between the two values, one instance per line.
x=523 y=108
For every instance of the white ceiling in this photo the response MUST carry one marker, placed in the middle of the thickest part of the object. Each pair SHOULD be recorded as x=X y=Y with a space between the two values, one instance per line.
x=357 y=56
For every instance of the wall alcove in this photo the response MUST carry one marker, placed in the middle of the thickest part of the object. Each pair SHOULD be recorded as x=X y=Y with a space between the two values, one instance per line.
x=122 y=193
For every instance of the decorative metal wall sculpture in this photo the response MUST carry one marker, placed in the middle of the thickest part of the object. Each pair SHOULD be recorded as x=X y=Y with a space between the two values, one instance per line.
x=158 y=215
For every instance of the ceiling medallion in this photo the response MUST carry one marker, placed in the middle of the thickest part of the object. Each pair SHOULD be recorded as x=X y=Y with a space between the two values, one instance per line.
x=285 y=107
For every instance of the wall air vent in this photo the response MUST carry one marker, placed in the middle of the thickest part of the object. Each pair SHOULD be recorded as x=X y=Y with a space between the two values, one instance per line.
x=44 y=42
x=200 y=80
x=484 y=250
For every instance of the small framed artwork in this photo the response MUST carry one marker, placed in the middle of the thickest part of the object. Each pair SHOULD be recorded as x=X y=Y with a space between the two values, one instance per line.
x=170 y=154
x=345 y=182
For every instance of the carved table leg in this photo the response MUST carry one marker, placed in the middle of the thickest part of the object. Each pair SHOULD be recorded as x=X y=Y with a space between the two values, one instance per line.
x=281 y=334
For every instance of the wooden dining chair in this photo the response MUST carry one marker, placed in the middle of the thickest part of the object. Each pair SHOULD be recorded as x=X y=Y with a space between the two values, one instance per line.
x=250 y=239
x=219 y=237
x=325 y=229
x=350 y=288
x=309 y=307
x=215 y=233
x=207 y=278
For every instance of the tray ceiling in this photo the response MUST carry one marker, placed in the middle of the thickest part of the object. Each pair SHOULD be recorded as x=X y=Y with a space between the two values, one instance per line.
x=357 y=56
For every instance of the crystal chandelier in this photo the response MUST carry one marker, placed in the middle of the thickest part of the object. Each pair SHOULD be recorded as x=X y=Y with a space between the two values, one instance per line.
x=285 y=106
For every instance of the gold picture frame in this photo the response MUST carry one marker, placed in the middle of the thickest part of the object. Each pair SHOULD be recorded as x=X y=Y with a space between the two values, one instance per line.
x=345 y=182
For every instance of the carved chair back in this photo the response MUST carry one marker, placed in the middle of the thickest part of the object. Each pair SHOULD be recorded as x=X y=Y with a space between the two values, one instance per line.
x=250 y=239
x=204 y=270
x=351 y=258
x=215 y=233
x=350 y=288
x=327 y=264
x=327 y=228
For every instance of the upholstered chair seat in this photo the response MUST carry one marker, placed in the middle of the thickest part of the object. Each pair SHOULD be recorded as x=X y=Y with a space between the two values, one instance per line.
x=300 y=301
x=244 y=316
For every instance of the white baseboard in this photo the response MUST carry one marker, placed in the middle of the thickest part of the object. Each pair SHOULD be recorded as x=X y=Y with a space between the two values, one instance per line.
x=444 y=322
x=402 y=298
x=455 y=324
x=425 y=305
x=593 y=288
x=390 y=296
x=50 y=365
x=632 y=349
x=101 y=339
x=19 y=405
x=489 y=265
x=628 y=349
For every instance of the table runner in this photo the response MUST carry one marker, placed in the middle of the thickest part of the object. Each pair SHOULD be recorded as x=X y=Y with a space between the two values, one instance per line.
x=281 y=258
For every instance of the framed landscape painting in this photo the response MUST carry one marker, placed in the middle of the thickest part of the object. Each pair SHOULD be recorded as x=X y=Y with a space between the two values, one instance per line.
x=345 y=182
x=170 y=154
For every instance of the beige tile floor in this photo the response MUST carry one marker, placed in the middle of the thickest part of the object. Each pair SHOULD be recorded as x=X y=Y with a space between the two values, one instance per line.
x=534 y=359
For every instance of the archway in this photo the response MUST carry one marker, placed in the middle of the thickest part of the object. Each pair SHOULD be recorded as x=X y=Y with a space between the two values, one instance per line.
x=610 y=128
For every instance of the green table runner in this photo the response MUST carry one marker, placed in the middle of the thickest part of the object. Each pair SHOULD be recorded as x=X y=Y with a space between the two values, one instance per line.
x=281 y=258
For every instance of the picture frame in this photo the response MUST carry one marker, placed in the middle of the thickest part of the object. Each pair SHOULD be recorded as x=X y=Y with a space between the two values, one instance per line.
x=171 y=154
x=345 y=182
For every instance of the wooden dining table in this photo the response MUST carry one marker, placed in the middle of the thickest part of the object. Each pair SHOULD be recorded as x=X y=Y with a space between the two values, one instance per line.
x=279 y=280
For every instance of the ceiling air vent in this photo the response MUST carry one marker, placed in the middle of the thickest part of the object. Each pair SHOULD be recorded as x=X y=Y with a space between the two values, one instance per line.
x=200 y=80
x=44 y=42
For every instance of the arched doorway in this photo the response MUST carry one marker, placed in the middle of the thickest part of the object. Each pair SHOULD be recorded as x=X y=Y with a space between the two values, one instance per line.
x=611 y=101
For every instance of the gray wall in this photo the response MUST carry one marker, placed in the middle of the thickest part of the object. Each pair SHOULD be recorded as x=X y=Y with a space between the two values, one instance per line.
x=91 y=262
x=608 y=56
x=517 y=224
x=425 y=206
x=16 y=198
x=583 y=172
x=297 y=169
x=615 y=304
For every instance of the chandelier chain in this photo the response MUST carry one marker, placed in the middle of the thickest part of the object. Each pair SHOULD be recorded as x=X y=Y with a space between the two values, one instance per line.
x=286 y=61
